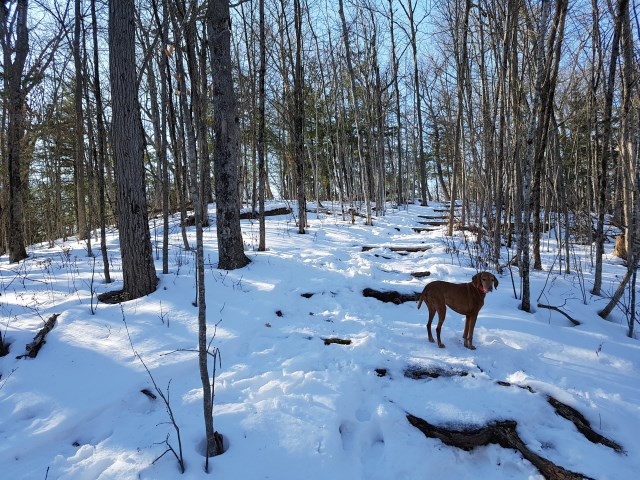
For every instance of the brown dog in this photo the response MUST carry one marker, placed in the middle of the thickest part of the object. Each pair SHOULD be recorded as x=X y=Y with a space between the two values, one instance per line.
x=464 y=298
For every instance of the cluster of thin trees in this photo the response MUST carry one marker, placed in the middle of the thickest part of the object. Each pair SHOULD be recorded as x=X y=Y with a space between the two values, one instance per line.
x=521 y=114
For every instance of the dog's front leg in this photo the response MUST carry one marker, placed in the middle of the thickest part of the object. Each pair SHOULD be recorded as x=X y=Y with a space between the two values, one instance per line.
x=469 y=326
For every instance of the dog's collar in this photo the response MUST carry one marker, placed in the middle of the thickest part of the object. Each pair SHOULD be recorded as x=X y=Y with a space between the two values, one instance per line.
x=482 y=290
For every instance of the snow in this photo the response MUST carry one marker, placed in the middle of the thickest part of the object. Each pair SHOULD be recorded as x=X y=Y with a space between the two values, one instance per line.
x=289 y=406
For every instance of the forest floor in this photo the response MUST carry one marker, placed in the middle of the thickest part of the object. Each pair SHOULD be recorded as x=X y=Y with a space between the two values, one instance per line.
x=315 y=380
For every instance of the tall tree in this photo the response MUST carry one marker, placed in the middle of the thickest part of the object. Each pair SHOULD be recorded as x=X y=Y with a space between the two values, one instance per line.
x=410 y=11
x=460 y=35
x=262 y=171
x=530 y=156
x=298 y=118
x=225 y=129
x=396 y=94
x=139 y=273
x=102 y=140
x=14 y=60
x=81 y=186
x=364 y=164
x=605 y=152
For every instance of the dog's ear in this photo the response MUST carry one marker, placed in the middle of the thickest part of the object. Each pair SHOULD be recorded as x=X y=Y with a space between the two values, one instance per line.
x=495 y=281
x=475 y=280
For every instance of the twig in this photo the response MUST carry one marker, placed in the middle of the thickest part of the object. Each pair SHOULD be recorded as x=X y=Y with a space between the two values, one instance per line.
x=557 y=309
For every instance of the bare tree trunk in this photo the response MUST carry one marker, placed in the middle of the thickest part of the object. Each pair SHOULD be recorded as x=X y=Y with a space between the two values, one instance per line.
x=161 y=126
x=225 y=125
x=379 y=93
x=138 y=270
x=622 y=6
x=461 y=70
x=551 y=65
x=102 y=139
x=352 y=82
x=629 y=162
x=81 y=205
x=298 y=119
x=396 y=94
x=14 y=60
x=525 y=261
x=262 y=173
x=422 y=163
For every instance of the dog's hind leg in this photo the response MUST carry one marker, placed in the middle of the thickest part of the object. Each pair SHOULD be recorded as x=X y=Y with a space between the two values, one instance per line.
x=442 y=313
x=432 y=313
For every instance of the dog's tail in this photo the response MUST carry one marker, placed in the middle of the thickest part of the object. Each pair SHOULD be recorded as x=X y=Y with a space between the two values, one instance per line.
x=423 y=296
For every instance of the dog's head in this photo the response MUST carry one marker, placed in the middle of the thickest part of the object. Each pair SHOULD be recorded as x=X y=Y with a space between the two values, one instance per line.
x=485 y=281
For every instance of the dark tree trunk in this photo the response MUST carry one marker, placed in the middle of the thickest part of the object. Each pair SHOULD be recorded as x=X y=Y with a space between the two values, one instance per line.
x=398 y=112
x=14 y=60
x=262 y=172
x=605 y=151
x=102 y=138
x=139 y=273
x=225 y=126
x=81 y=205
x=298 y=120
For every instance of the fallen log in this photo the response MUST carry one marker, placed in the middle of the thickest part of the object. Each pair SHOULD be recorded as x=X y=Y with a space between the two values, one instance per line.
x=420 y=274
x=582 y=424
x=397 y=249
x=574 y=416
x=420 y=373
x=251 y=215
x=434 y=223
x=502 y=433
x=40 y=339
x=337 y=341
x=391 y=296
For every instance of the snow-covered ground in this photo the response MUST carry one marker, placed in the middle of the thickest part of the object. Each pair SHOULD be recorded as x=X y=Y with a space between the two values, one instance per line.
x=289 y=406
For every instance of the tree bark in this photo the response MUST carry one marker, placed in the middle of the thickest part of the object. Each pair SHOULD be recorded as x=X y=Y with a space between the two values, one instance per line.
x=14 y=65
x=364 y=166
x=298 y=119
x=262 y=171
x=422 y=163
x=396 y=93
x=81 y=205
x=138 y=270
x=605 y=152
x=225 y=126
